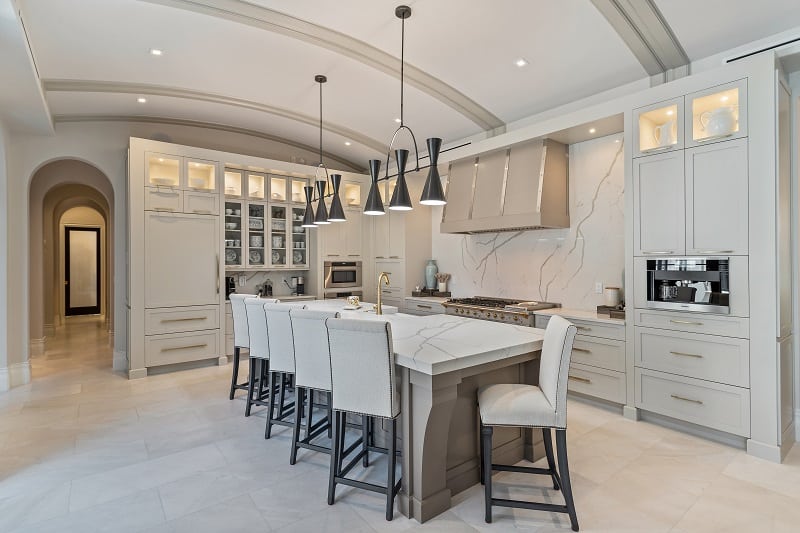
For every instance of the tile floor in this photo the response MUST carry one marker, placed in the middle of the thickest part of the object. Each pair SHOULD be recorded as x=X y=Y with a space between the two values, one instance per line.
x=83 y=449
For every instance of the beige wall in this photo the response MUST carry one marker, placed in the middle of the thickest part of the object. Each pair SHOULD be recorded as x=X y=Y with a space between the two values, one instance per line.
x=5 y=382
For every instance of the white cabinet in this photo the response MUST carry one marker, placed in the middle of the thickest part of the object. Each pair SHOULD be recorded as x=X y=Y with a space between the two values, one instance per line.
x=380 y=235
x=716 y=199
x=659 y=204
x=353 y=231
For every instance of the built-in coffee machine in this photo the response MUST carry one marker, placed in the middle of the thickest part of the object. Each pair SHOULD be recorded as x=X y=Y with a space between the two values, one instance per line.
x=689 y=284
x=230 y=286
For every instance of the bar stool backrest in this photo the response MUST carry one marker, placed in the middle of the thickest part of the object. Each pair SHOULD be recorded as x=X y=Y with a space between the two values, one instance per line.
x=281 y=344
x=362 y=367
x=311 y=351
x=257 y=327
x=241 y=337
x=554 y=365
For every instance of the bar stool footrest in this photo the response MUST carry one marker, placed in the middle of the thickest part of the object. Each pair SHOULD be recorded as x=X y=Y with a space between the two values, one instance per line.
x=535 y=506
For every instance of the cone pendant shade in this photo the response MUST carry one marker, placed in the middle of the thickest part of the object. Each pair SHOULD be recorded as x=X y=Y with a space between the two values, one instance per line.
x=336 y=213
x=374 y=205
x=322 y=210
x=432 y=193
x=401 y=201
x=308 y=218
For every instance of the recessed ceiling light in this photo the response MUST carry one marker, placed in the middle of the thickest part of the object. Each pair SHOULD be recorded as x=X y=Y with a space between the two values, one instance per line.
x=141 y=100
x=156 y=52
x=670 y=112
x=397 y=120
x=616 y=140
x=347 y=143
x=521 y=62
x=592 y=130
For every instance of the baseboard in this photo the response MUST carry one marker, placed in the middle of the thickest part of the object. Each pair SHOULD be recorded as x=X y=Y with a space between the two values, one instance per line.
x=15 y=375
x=768 y=452
x=120 y=361
x=797 y=425
x=787 y=440
x=703 y=432
x=49 y=330
x=137 y=373
x=631 y=413
x=36 y=346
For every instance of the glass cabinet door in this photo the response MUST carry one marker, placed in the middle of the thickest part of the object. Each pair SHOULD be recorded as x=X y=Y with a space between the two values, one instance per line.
x=299 y=238
x=256 y=224
x=163 y=170
x=390 y=184
x=298 y=194
x=278 y=186
x=351 y=196
x=201 y=175
x=234 y=180
x=658 y=127
x=717 y=113
x=278 y=234
x=256 y=185
x=234 y=236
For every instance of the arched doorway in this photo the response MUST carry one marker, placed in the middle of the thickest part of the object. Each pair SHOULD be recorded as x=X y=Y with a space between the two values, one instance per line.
x=67 y=193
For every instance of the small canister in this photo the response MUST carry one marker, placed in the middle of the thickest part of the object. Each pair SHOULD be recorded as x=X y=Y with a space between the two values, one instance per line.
x=612 y=296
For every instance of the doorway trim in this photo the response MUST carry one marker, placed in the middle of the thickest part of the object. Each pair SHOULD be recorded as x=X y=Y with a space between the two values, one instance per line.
x=88 y=310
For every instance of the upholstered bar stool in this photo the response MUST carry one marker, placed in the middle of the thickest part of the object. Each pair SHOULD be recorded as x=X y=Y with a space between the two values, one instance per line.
x=259 y=351
x=312 y=375
x=362 y=382
x=529 y=406
x=241 y=337
x=281 y=364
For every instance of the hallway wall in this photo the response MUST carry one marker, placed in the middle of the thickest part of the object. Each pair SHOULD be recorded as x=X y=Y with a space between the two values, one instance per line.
x=5 y=381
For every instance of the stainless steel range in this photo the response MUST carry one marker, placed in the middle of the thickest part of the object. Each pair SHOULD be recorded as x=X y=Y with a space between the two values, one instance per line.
x=496 y=309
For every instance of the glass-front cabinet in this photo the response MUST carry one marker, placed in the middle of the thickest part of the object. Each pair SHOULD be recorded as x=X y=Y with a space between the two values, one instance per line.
x=299 y=239
x=201 y=175
x=234 y=234
x=351 y=195
x=278 y=188
x=163 y=170
x=256 y=185
x=234 y=182
x=298 y=194
x=278 y=234
x=717 y=113
x=659 y=127
x=256 y=243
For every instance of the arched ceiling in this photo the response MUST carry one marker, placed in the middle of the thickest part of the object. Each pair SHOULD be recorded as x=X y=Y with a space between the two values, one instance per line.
x=250 y=65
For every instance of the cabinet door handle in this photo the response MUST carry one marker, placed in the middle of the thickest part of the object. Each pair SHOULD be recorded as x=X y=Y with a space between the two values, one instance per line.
x=709 y=252
x=164 y=209
x=583 y=328
x=684 y=399
x=581 y=350
x=167 y=320
x=687 y=322
x=333 y=255
x=394 y=257
x=421 y=306
x=202 y=211
x=173 y=348
x=379 y=257
x=353 y=255
x=582 y=380
x=659 y=252
x=168 y=192
x=216 y=265
x=684 y=354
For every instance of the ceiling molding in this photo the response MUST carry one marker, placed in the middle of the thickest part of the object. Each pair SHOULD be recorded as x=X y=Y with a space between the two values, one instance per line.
x=274 y=21
x=90 y=86
x=644 y=29
x=345 y=163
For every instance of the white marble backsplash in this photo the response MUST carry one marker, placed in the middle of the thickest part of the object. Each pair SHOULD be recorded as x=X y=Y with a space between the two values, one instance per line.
x=552 y=265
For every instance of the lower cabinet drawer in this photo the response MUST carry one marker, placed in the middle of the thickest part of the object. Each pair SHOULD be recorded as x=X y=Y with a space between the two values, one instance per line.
x=727 y=326
x=163 y=200
x=597 y=382
x=603 y=353
x=711 y=357
x=599 y=329
x=180 y=319
x=424 y=308
x=200 y=203
x=705 y=403
x=180 y=347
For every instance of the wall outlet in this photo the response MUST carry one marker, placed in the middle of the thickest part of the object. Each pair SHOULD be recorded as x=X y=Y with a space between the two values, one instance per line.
x=242 y=280
x=598 y=287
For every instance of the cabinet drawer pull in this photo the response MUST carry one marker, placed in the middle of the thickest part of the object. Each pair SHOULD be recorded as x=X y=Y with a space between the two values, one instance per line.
x=173 y=348
x=353 y=255
x=659 y=252
x=690 y=400
x=394 y=257
x=202 y=211
x=333 y=255
x=583 y=328
x=715 y=252
x=687 y=322
x=582 y=380
x=581 y=350
x=167 y=192
x=379 y=257
x=684 y=354
x=421 y=306
x=166 y=320
x=164 y=209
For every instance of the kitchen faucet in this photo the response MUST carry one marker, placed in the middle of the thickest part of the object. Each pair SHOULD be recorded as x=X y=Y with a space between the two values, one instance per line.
x=384 y=276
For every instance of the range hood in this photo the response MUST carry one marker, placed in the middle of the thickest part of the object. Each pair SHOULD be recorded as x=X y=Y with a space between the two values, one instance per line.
x=520 y=187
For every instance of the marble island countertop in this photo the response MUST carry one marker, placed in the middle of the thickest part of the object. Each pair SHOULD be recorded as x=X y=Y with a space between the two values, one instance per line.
x=580 y=314
x=436 y=344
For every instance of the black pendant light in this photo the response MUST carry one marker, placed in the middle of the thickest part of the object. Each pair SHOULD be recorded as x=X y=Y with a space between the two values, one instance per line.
x=374 y=205
x=432 y=193
x=401 y=201
x=308 y=218
x=336 y=213
x=321 y=217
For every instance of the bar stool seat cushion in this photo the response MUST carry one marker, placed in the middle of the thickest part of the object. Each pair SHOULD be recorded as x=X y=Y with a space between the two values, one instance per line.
x=516 y=405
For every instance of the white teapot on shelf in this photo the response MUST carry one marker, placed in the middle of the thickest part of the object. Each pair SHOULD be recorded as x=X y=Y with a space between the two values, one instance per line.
x=718 y=122
x=664 y=135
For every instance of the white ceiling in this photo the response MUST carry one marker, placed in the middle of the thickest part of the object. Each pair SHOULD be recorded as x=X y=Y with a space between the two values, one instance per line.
x=228 y=62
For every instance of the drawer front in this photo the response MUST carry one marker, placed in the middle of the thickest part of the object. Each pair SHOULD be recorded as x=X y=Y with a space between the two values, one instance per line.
x=200 y=203
x=597 y=382
x=727 y=326
x=603 y=353
x=180 y=347
x=715 y=358
x=599 y=329
x=424 y=308
x=540 y=321
x=180 y=319
x=163 y=200
x=713 y=405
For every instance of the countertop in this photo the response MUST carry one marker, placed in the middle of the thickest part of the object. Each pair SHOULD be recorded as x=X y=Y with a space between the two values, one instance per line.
x=580 y=314
x=436 y=344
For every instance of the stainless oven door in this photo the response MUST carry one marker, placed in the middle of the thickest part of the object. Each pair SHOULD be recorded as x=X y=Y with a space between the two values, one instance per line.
x=342 y=274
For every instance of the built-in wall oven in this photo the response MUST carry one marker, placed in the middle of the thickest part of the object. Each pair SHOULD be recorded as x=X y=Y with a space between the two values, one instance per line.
x=700 y=284
x=342 y=274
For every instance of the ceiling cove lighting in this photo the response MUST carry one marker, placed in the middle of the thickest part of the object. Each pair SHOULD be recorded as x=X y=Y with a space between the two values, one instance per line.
x=141 y=100
x=592 y=130
x=156 y=52
x=401 y=201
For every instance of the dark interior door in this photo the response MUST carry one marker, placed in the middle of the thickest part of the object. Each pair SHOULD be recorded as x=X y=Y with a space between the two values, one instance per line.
x=82 y=271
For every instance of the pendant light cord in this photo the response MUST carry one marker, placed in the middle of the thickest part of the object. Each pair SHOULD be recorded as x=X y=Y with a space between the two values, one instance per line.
x=402 y=64
x=320 y=123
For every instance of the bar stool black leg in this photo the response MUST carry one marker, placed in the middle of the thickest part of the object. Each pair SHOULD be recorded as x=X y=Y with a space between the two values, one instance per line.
x=251 y=383
x=366 y=427
x=480 y=459
x=486 y=437
x=390 y=479
x=330 y=415
x=566 y=485
x=235 y=376
x=335 y=451
x=309 y=397
x=270 y=404
x=299 y=396
x=263 y=374
x=548 y=450
x=282 y=395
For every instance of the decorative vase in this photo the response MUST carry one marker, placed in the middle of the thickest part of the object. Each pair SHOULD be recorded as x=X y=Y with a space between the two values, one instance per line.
x=442 y=286
x=430 y=274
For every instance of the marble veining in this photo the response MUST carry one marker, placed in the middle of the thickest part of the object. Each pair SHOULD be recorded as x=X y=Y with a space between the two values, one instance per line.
x=560 y=265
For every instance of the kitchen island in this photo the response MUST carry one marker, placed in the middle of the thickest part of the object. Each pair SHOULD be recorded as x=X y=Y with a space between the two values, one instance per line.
x=443 y=359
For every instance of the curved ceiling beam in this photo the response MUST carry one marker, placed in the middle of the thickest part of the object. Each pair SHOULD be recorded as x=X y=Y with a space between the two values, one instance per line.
x=265 y=18
x=90 y=86
x=346 y=164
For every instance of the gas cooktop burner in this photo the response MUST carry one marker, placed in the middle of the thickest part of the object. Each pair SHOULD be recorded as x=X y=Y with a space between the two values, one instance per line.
x=496 y=309
x=478 y=301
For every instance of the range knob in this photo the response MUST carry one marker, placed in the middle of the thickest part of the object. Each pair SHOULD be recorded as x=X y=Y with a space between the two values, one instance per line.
x=515 y=318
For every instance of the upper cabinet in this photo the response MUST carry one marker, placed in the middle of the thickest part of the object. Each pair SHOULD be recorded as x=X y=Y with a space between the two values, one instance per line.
x=256 y=185
x=234 y=182
x=278 y=186
x=658 y=127
x=659 y=210
x=717 y=113
x=177 y=172
x=298 y=194
x=163 y=170
x=201 y=175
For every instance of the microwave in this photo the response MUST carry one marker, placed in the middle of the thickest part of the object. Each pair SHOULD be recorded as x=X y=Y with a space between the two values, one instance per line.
x=699 y=284
x=342 y=274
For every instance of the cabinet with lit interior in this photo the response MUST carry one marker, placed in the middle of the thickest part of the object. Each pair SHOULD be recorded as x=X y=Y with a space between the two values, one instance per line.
x=658 y=127
x=256 y=234
x=299 y=238
x=234 y=184
x=235 y=235
x=716 y=114
x=279 y=238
